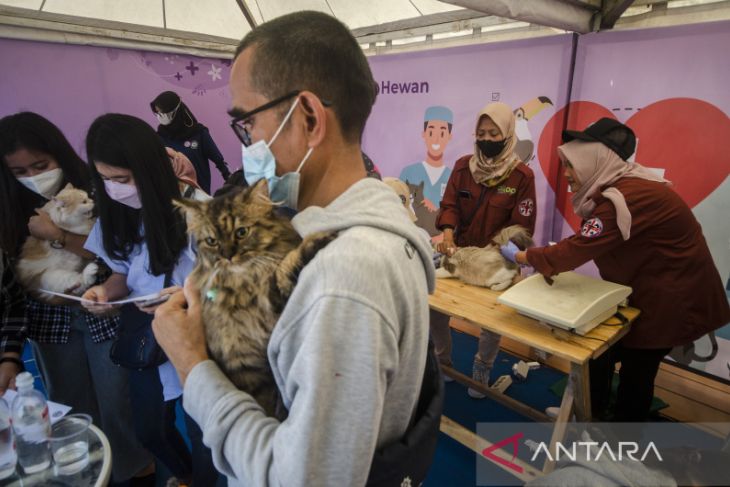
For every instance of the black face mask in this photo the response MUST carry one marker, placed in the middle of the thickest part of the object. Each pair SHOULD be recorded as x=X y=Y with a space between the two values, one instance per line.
x=491 y=148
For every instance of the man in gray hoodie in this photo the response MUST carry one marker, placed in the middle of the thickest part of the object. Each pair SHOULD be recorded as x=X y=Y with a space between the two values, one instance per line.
x=349 y=350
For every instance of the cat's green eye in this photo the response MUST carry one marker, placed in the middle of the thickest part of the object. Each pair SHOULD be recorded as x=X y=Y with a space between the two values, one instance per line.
x=211 y=241
x=241 y=232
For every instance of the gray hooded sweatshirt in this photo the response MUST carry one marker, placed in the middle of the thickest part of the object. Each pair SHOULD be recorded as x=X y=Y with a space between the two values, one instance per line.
x=347 y=353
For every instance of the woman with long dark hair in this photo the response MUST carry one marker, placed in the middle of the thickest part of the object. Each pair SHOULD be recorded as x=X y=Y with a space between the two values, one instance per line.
x=144 y=241
x=71 y=347
x=181 y=131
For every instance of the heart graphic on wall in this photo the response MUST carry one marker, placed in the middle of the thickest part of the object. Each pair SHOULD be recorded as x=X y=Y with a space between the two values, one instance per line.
x=685 y=138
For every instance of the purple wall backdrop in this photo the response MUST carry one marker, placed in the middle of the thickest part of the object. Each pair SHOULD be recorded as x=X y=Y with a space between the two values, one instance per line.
x=72 y=85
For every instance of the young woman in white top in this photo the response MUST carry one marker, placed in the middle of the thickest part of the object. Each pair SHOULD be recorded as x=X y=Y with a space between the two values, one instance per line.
x=144 y=241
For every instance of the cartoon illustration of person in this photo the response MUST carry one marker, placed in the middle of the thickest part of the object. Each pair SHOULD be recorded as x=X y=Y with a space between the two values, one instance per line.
x=427 y=179
x=525 y=147
x=437 y=124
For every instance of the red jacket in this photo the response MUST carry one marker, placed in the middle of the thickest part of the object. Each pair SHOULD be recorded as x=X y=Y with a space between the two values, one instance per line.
x=666 y=261
x=510 y=203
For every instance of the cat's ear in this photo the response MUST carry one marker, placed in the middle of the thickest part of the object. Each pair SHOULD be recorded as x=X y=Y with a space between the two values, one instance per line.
x=190 y=208
x=259 y=191
x=68 y=186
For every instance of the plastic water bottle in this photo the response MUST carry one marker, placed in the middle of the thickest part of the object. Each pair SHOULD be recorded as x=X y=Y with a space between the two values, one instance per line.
x=32 y=426
x=8 y=456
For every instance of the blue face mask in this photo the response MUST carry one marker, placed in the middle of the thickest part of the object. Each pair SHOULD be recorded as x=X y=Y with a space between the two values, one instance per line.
x=259 y=163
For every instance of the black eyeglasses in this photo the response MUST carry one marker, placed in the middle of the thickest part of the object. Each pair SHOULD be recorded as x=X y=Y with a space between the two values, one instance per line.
x=240 y=123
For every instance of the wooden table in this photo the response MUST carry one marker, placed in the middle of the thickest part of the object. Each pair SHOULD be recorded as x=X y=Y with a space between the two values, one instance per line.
x=479 y=306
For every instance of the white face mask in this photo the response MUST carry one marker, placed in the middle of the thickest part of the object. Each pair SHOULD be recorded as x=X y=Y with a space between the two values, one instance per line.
x=259 y=162
x=167 y=118
x=45 y=184
x=125 y=194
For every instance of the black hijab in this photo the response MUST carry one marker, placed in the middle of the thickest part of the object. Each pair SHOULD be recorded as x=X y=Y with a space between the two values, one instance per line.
x=183 y=125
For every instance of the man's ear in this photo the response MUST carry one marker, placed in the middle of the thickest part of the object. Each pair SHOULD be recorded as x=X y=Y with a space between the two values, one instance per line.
x=315 y=115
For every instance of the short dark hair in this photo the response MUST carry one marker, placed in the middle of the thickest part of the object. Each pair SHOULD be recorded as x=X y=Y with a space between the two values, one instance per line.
x=315 y=52
x=30 y=131
x=425 y=125
x=128 y=142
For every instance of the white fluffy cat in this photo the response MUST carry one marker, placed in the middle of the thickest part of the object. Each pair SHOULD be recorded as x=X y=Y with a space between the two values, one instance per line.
x=43 y=267
x=485 y=266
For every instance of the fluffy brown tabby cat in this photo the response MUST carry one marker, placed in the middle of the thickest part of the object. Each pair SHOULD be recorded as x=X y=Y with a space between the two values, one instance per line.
x=249 y=259
x=485 y=266
x=43 y=267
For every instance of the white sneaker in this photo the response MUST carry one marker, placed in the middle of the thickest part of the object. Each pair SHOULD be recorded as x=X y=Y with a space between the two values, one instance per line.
x=553 y=412
x=479 y=373
x=475 y=394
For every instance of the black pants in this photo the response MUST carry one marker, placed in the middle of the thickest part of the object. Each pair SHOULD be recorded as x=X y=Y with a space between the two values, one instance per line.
x=639 y=367
x=155 y=427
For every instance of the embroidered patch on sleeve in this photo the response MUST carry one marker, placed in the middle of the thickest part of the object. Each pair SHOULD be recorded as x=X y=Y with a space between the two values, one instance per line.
x=526 y=207
x=592 y=227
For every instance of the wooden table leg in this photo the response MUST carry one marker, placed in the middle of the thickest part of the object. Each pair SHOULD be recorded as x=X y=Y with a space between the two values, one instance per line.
x=503 y=399
x=580 y=381
x=478 y=444
x=561 y=424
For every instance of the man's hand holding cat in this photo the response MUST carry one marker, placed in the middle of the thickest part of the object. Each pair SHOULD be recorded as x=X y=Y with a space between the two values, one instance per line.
x=150 y=309
x=42 y=227
x=178 y=328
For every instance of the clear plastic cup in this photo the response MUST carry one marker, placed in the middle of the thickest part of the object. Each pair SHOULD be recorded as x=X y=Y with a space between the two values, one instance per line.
x=70 y=443
x=8 y=455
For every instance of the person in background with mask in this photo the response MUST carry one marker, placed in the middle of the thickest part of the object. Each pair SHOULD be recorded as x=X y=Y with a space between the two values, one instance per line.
x=180 y=130
x=350 y=348
x=71 y=347
x=639 y=233
x=488 y=190
x=144 y=241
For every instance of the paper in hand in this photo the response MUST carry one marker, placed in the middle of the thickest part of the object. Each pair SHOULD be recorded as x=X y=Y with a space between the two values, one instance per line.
x=147 y=297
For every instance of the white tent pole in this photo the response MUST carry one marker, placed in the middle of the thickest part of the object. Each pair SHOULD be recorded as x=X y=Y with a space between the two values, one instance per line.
x=247 y=13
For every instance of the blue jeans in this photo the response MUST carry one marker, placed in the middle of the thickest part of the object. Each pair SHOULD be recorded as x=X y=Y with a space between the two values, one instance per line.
x=80 y=374
x=154 y=422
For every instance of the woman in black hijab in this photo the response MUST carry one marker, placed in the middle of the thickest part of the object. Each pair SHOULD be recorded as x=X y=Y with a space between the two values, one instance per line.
x=181 y=131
